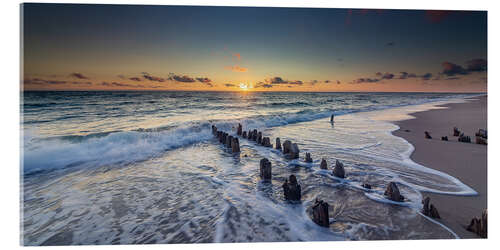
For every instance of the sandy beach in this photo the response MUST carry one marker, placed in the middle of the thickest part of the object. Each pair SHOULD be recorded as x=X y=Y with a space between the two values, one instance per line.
x=465 y=161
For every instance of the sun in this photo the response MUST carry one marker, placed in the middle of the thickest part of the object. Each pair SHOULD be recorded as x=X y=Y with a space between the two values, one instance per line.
x=243 y=86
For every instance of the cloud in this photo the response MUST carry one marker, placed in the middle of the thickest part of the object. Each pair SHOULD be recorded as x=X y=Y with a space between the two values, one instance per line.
x=121 y=77
x=179 y=78
x=78 y=75
x=476 y=65
x=39 y=81
x=280 y=80
x=137 y=79
x=147 y=76
x=82 y=83
x=237 y=55
x=236 y=68
x=298 y=82
x=452 y=78
x=313 y=82
x=366 y=80
x=338 y=82
x=426 y=76
x=388 y=76
x=263 y=85
x=436 y=16
x=390 y=44
x=378 y=74
x=119 y=84
x=209 y=84
x=230 y=85
x=203 y=80
x=451 y=69
x=405 y=75
x=327 y=81
x=276 y=80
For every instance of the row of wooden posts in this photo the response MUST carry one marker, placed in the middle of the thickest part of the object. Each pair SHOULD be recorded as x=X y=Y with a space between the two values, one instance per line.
x=291 y=187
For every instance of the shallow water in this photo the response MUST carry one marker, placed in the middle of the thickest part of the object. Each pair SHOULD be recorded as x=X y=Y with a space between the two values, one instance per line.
x=149 y=186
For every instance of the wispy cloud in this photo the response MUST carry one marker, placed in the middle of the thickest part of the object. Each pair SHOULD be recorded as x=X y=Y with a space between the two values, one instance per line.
x=148 y=76
x=366 y=80
x=180 y=78
x=120 y=84
x=406 y=75
x=476 y=65
x=40 y=81
x=280 y=80
x=236 y=68
x=203 y=80
x=263 y=85
x=388 y=76
x=137 y=79
x=436 y=16
x=78 y=75
x=426 y=76
x=451 y=69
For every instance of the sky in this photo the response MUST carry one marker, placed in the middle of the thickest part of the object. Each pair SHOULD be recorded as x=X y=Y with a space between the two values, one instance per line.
x=141 y=47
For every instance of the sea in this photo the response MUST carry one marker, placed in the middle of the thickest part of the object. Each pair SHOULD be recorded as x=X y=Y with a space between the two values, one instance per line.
x=126 y=167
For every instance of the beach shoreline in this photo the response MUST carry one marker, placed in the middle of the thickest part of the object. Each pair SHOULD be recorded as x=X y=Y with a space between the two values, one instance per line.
x=465 y=161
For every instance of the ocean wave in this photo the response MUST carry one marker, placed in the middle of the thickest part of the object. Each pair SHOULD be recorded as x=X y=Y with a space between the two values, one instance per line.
x=114 y=148
x=125 y=147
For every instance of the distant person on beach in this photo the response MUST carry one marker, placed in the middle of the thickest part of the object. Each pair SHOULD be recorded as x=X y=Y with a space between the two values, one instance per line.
x=331 y=118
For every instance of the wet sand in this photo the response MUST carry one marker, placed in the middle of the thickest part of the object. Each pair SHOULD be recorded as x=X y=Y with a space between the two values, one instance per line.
x=465 y=161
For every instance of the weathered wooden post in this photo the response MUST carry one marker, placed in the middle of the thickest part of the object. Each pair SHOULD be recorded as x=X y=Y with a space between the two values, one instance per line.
x=308 y=157
x=278 y=143
x=392 y=192
x=320 y=213
x=291 y=189
x=338 y=170
x=235 y=145
x=266 y=142
x=429 y=209
x=323 y=164
x=240 y=129
x=286 y=146
x=265 y=169
x=427 y=135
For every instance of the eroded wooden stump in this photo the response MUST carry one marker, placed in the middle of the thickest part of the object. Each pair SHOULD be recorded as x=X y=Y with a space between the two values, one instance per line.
x=291 y=189
x=278 y=143
x=320 y=213
x=429 y=209
x=265 y=169
x=308 y=157
x=240 y=129
x=235 y=145
x=266 y=142
x=338 y=170
x=323 y=164
x=427 y=135
x=392 y=192
x=480 y=225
